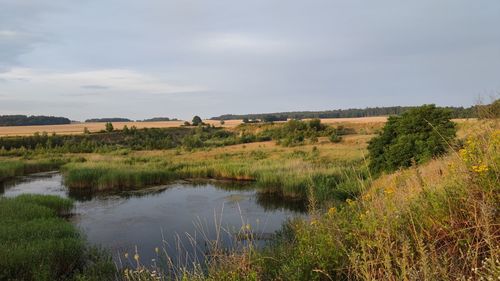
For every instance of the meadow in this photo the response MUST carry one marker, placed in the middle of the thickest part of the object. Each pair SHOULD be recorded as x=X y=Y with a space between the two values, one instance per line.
x=78 y=128
x=436 y=220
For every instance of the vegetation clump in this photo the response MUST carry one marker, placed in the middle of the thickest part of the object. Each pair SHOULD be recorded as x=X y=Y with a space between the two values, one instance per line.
x=23 y=120
x=39 y=245
x=416 y=136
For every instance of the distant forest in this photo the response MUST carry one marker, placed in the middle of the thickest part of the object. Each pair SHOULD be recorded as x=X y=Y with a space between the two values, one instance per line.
x=105 y=120
x=158 y=119
x=457 y=112
x=23 y=120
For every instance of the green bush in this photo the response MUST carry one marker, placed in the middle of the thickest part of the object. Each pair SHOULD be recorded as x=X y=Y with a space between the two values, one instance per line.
x=414 y=137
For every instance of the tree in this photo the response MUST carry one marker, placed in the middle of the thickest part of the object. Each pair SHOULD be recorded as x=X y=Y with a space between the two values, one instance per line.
x=416 y=136
x=245 y=120
x=109 y=127
x=126 y=129
x=222 y=122
x=86 y=131
x=197 y=121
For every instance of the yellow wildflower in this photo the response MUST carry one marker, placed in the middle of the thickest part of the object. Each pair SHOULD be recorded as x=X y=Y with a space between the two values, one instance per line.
x=136 y=257
x=350 y=202
x=389 y=190
x=157 y=250
x=126 y=255
x=332 y=211
x=480 y=169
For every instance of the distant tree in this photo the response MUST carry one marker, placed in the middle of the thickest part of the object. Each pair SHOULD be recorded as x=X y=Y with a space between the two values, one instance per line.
x=125 y=129
x=245 y=120
x=222 y=122
x=414 y=137
x=197 y=121
x=86 y=131
x=186 y=123
x=109 y=127
x=315 y=124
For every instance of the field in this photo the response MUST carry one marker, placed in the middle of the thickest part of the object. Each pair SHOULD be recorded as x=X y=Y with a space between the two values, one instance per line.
x=430 y=221
x=77 y=128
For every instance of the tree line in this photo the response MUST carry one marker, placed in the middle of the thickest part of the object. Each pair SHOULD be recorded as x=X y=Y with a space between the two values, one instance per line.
x=456 y=112
x=23 y=120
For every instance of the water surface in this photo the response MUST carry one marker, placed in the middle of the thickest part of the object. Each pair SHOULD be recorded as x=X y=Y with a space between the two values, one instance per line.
x=177 y=218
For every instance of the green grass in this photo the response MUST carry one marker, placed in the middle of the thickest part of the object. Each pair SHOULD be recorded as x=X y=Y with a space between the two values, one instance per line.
x=291 y=172
x=12 y=168
x=39 y=245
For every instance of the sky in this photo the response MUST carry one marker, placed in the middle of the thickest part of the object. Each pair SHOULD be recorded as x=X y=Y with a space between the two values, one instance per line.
x=179 y=58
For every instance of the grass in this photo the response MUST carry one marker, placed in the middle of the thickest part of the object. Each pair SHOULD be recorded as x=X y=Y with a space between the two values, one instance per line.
x=12 y=168
x=37 y=244
x=438 y=221
x=290 y=171
x=435 y=221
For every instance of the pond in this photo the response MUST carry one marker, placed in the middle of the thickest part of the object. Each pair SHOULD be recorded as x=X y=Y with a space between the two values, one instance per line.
x=178 y=218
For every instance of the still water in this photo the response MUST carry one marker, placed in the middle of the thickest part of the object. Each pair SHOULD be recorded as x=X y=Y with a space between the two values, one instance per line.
x=178 y=218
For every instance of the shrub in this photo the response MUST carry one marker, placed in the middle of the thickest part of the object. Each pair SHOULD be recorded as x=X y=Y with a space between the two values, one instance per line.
x=109 y=127
x=335 y=138
x=415 y=137
x=197 y=121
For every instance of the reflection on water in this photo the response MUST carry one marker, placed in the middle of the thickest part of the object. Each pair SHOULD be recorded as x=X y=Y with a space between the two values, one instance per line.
x=179 y=217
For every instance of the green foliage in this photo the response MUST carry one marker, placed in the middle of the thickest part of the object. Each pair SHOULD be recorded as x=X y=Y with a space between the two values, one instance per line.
x=296 y=132
x=416 y=136
x=109 y=127
x=23 y=120
x=197 y=121
x=38 y=245
x=335 y=138
x=10 y=169
x=457 y=112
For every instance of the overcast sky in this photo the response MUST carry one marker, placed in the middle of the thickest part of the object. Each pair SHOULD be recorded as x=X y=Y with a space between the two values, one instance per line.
x=177 y=58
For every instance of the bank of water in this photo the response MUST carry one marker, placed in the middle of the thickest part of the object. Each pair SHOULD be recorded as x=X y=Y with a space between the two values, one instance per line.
x=176 y=219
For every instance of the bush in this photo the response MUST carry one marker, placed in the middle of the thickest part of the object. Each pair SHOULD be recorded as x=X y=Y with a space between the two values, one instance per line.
x=414 y=137
x=109 y=127
x=335 y=138
x=197 y=121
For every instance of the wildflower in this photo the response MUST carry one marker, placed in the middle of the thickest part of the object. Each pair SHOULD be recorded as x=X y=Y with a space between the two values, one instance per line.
x=136 y=257
x=464 y=154
x=157 y=250
x=480 y=169
x=389 y=190
x=126 y=255
x=350 y=202
x=366 y=197
x=314 y=221
x=332 y=211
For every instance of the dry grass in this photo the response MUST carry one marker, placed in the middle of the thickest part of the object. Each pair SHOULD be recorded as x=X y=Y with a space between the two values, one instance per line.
x=77 y=128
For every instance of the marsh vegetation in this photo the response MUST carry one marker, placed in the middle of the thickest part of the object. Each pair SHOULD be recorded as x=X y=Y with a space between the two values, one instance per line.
x=413 y=203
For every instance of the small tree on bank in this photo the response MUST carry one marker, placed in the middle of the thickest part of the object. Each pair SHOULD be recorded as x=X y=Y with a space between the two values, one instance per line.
x=414 y=137
x=197 y=121
x=109 y=127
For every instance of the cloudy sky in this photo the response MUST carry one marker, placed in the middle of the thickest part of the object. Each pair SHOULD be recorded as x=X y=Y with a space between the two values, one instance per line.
x=177 y=58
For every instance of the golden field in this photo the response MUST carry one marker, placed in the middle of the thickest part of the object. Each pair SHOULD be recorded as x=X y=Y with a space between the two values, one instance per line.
x=77 y=128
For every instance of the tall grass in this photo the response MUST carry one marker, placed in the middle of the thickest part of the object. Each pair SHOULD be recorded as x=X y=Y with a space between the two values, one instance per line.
x=10 y=168
x=439 y=221
x=284 y=175
x=39 y=245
